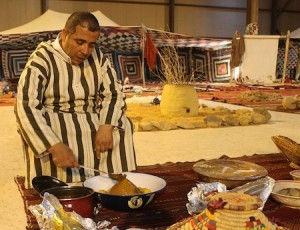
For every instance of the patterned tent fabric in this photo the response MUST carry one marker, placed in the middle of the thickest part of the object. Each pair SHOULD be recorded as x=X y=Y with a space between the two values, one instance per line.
x=292 y=61
x=162 y=38
x=25 y=41
x=120 y=39
x=16 y=48
x=116 y=39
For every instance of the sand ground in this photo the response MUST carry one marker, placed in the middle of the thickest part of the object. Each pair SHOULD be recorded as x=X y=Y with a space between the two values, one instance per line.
x=151 y=147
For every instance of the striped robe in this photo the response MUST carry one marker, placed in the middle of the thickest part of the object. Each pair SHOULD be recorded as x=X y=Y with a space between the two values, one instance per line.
x=61 y=102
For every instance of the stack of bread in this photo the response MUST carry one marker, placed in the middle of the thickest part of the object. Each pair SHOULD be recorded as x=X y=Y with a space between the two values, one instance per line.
x=227 y=211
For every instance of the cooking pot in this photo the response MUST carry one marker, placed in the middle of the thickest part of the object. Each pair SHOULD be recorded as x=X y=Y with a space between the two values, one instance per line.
x=73 y=198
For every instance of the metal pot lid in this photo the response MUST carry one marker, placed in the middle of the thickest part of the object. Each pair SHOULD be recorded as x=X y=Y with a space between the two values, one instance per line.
x=41 y=183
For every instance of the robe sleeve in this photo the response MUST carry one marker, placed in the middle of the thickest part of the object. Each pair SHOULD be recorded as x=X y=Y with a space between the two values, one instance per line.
x=112 y=108
x=29 y=111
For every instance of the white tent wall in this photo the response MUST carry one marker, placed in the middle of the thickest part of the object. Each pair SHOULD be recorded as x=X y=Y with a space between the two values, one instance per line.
x=260 y=58
x=296 y=34
x=52 y=21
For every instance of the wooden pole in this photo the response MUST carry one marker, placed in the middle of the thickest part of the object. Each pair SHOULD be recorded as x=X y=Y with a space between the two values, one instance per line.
x=142 y=44
x=252 y=11
x=286 y=54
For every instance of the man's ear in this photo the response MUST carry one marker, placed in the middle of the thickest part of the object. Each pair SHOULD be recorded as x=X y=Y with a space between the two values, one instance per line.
x=64 y=33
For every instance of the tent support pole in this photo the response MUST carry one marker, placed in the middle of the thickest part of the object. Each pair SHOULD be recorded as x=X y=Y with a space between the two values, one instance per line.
x=286 y=54
x=143 y=55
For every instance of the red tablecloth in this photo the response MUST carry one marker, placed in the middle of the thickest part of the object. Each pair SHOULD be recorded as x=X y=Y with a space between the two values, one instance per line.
x=170 y=205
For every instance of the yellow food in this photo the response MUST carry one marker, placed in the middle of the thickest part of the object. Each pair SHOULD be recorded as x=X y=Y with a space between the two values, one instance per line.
x=144 y=190
x=125 y=187
x=290 y=192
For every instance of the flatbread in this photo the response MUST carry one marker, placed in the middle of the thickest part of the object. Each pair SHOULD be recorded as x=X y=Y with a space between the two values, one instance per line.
x=234 y=201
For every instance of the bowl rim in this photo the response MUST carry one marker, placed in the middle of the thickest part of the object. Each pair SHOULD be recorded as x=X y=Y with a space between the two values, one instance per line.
x=164 y=184
x=295 y=172
x=91 y=192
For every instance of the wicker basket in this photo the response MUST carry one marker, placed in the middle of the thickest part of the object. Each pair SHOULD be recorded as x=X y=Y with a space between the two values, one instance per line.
x=288 y=147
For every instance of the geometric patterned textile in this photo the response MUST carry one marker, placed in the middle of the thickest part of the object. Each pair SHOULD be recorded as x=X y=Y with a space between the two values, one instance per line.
x=120 y=39
x=200 y=65
x=25 y=41
x=220 y=65
x=162 y=38
x=128 y=65
x=221 y=68
x=112 y=39
x=292 y=61
x=212 y=65
x=185 y=58
x=13 y=63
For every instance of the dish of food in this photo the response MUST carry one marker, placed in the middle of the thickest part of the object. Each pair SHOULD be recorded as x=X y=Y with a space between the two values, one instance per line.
x=287 y=192
x=125 y=187
x=232 y=173
x=126 y=195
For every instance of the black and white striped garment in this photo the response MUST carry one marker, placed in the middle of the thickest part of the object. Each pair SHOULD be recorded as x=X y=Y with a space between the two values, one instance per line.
x=61 y=102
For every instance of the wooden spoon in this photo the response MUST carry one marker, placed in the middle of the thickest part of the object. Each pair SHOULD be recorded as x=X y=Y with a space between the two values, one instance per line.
x=114 y=176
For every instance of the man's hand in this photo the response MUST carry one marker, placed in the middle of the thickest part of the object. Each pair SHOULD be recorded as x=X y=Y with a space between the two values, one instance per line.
x=63 y=156
x=103 y=139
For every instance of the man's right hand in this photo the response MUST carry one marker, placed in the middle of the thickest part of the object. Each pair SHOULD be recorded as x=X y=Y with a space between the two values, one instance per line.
x=63 y=156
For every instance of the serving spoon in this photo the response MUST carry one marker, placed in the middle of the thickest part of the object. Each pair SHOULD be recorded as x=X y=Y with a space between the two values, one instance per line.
x=114 y=176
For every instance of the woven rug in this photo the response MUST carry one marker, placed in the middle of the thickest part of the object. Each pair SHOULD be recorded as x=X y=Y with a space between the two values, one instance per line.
x=7 y=100
x=233 y=94
x=170 y=205
x=224 y=94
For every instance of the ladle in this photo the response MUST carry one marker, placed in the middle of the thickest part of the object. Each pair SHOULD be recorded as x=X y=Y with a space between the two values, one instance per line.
x=114 y=176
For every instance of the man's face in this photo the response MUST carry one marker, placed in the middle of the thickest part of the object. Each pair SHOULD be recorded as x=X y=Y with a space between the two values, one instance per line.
x=80 y=44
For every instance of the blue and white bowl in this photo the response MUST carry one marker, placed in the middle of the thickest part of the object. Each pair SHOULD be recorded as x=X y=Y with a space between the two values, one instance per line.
x=126 y=202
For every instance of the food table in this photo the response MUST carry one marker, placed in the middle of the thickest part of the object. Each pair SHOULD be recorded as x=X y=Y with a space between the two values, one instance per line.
x=170 y=204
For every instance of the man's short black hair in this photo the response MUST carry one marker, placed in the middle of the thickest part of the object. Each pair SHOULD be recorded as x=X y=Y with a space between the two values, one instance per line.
x=84 y=19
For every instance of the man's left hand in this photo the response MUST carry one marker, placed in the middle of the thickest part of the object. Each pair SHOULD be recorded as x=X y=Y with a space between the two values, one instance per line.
x=103 y=139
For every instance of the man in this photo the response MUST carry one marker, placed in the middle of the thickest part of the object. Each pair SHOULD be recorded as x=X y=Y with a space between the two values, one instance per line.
x=70 y=108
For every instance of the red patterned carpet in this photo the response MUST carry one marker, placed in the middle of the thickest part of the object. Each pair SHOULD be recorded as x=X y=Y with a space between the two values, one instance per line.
x=236 y=95
x=224 y=94
x=169 y=206
x=7 y=100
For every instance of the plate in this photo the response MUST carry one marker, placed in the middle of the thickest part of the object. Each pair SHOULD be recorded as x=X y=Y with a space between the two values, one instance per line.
x=232 y=173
